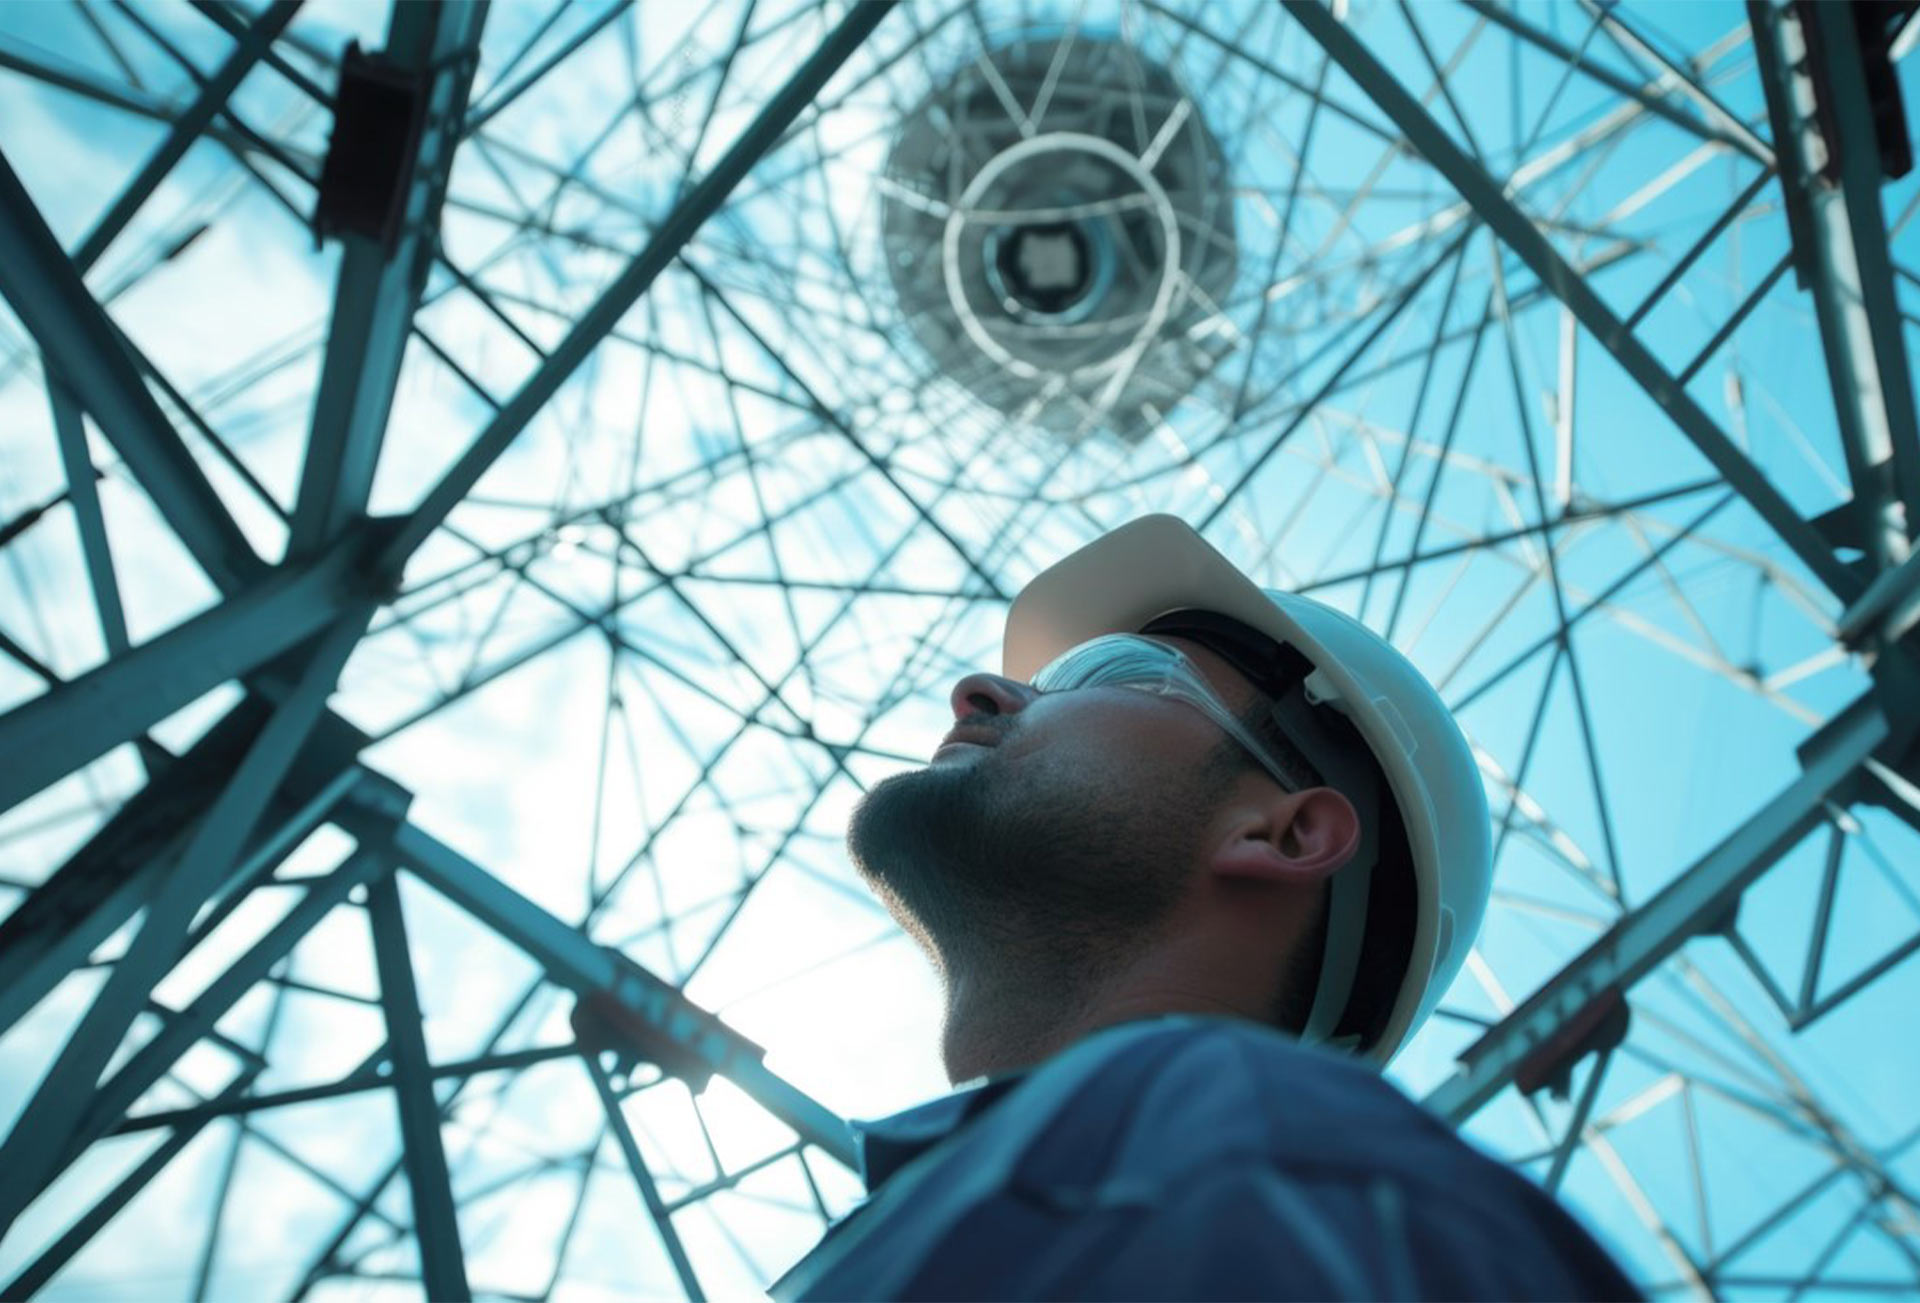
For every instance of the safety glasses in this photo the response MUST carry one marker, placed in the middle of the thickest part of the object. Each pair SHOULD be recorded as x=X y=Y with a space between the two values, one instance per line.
x=1125 y=660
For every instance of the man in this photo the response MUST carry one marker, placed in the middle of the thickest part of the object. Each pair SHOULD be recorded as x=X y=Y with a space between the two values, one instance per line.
x=1190 y=871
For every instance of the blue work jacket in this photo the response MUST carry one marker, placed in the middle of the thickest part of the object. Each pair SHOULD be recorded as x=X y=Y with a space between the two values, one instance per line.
x=1192 y=1158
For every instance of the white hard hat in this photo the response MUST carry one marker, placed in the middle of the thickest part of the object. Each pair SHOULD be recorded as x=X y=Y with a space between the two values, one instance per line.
x=1150 y=567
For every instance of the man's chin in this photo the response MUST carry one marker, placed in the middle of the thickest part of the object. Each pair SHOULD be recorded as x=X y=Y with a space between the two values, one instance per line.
x=903 y=819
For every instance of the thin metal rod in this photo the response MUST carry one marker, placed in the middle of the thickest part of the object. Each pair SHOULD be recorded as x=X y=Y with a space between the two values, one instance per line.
x=496 y=102
x=845 y=430
x=1735 y=319
x=443 y=1265
x=104 y=1209
x=643 y=1180
x=210 y=1248
x=571 y=960
x=1643 y=95
x=1631 y=43
x=187 y=127
x=1584 y=713
x=1822 y=920
x=105 y=1107
x=1404 y=297
x=359 y=1081
x=83 y=492
x=1735 y=211
x=1563 y=1152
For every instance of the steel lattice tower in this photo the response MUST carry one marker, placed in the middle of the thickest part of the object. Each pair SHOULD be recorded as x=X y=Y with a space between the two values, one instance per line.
x=484 y=487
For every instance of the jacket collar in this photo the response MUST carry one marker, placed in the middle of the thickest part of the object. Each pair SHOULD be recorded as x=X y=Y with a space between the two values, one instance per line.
x=890 y=1143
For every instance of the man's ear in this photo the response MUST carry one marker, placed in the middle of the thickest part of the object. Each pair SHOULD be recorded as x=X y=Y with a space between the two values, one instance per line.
x=1296 y=837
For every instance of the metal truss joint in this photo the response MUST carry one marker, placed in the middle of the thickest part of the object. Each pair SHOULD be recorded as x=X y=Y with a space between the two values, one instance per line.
x=1886 y=613
x=378 y=116
x=1875 y=27
x=382 y=798
x=1837 y=736
x=1597 y=1029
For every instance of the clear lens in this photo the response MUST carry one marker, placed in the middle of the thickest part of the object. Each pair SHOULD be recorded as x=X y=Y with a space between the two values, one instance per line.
x=1114 y=660
x=1122 y=660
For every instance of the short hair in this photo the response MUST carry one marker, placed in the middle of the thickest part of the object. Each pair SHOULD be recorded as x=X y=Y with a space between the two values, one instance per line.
x=1393 y=906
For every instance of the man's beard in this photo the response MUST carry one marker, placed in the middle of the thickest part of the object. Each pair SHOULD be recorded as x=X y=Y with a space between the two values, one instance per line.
x=1048 y=884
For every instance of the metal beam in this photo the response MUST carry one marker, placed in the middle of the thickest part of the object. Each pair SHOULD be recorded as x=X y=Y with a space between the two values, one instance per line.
x=1490 y=200
x=1840 y=246
x=378 y=289
x=443 y=1266
x=44 y=1129
x=105 y=882
x=1887 y=611
x=668 y=238
x=1697 y=899
x=66 y=727
x=572 y=961
x=79 y=344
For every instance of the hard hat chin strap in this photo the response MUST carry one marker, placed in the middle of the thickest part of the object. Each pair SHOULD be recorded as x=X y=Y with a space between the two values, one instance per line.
x=1310 y=714
x=1346 y=934
x=1305 y=713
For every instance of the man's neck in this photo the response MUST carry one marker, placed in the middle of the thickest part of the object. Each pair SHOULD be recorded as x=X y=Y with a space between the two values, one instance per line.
x=991 y=1030
x=996 y=1027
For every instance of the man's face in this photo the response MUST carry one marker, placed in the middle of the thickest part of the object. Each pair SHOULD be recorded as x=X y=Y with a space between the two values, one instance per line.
x=1073 y=816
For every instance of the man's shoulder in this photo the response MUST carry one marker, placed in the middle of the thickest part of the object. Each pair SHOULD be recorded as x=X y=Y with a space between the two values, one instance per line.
x=1177 y=1095
x=1199 y=1108
x=1196 y=1158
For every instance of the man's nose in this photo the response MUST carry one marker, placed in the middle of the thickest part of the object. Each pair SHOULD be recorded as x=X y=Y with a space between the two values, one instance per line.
x=990 y=694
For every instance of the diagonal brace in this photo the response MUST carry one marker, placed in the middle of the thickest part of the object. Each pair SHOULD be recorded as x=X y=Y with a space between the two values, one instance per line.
x=187 y=128
x=1696 y=899
x=442 y=1263
x=154 y=1059
x=79 y=345
x=573 y=961
x=1490 y=200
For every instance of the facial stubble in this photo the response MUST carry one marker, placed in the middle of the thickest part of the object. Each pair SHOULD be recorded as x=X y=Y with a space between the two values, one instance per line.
x=1046 y=877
